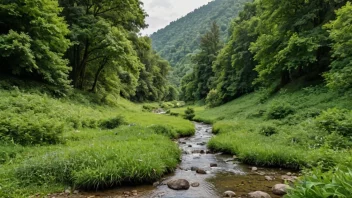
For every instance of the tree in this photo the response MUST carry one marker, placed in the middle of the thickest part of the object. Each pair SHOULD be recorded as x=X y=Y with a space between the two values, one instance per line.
x=152 y=82
x=202 y=71
x=340 y=75
x=95 y=28
x=292 y=42
x=33 y=40
x=234 y=65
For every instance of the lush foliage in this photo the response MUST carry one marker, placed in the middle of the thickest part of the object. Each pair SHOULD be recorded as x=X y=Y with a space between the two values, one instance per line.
x=341 y=33
x=318 y=183
x=315 y=131
x=273 y=43
x=189 y=113
x=33 y=40
x=85 y=150
x=90 y=45
x=196 y=85
x=178 y=42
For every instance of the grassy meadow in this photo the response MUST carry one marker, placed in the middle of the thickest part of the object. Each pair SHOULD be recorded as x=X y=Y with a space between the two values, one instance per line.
x=51 y=143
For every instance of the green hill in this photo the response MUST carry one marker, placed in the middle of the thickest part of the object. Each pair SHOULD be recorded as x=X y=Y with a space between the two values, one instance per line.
x=181 y=37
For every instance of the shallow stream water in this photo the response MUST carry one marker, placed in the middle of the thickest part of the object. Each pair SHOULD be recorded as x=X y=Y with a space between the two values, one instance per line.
x=228 y=175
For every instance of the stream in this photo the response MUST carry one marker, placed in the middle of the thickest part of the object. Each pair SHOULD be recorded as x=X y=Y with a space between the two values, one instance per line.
x=229 y=174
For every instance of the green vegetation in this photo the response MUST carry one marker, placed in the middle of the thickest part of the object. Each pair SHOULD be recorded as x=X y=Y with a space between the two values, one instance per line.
x=179 y=41
x=48 y=143
x=89 y=45
x=299 y=127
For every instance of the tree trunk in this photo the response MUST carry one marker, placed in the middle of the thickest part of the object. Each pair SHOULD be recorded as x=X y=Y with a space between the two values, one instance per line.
x=100 y=69
x=80 y=71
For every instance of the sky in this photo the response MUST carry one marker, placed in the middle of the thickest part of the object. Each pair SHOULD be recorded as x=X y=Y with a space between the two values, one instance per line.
x=162 y=12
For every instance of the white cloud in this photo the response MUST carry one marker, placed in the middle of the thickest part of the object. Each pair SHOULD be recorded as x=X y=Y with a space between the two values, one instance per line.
x=162 y=12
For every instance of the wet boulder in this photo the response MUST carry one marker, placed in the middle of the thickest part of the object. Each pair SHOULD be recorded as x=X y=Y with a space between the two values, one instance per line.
x=280 y=189
x=193 y=168
x=195 y=184
x=229 y=194
x=213 y=165
x=201 y=171
x=258 y=194
x=180 y=184
x=254 y=168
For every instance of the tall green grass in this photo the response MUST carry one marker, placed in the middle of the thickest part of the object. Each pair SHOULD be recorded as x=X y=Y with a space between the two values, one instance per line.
x=48 y=143
x=289 y=129
x=130 y=155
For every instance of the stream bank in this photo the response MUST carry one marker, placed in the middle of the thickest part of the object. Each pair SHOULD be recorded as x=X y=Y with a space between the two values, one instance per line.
x=219 y=173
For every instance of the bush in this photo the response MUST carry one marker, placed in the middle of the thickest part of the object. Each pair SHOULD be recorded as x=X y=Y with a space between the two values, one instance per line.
x=268 y=130
x=112 y=123
x=149 y=108
x=189 y=113
x=336 y=120
x=174 y=114
x=164 y=130
x=279 y=110
x=30 y=128
x=213 y=99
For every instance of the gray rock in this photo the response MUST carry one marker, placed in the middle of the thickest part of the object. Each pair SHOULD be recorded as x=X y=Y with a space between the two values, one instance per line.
x=258 y=194
x=287 y=178
x=268 y=178
x=289 y=174
x=201 y=171
x=180 y=184
x=195 y=184
x=75 y=192
x=229 y=194
x=254 y=168
x=213 y=165
x=280 y=189
x=68 y=191
x=193 y=168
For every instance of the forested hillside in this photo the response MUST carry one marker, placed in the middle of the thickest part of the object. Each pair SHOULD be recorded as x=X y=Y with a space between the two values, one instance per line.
x=279 y=91
x=179 y=40
x=272 y=44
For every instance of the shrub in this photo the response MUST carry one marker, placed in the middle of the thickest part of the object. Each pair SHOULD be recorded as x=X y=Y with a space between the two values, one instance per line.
x=279 y=110
x=30 y=128
x=213 y=99
x=149 y=108
x=336 y=120
x=164 y=130
x=174 y=114
x=189 y=113
x=268 y=130
x=112 y=123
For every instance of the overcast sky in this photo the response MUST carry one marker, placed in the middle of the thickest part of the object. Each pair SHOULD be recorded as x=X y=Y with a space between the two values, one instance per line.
x=162 y=12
